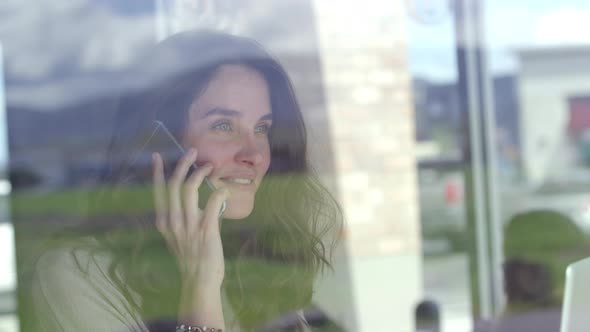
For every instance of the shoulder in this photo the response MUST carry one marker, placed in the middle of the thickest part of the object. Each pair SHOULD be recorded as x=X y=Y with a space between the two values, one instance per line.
x=77 y=265
x=59 y=265
x=68 y=260
x=72 y=288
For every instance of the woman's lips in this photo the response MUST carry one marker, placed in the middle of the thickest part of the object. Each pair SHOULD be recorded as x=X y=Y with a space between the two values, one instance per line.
x=245 y=179
x=237 y=180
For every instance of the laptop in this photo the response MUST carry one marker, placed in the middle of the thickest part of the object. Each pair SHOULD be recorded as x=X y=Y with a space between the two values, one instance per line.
x=575 y=316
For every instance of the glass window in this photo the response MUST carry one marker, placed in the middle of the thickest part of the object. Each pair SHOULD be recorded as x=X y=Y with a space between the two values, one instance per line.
x=292 y=165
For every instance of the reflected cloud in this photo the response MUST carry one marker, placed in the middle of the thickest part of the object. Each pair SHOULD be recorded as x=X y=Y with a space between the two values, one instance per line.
x=564 y=26
x=64 y=52
x=59 y=53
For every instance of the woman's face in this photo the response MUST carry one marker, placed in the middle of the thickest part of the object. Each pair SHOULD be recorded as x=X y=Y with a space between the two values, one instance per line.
x=228 y=125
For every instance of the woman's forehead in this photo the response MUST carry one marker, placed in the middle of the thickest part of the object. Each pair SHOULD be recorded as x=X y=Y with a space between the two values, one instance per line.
x=237 y=88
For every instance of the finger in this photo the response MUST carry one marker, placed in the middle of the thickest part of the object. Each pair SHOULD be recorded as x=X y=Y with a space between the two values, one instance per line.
x=191 y=197
x=210 y=223
x=160 y=199
x=161 y=208
x=159 y=190
x=175 y=204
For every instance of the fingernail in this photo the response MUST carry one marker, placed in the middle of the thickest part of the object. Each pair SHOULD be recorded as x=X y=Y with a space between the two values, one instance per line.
x=193 y=152
x=154 y=156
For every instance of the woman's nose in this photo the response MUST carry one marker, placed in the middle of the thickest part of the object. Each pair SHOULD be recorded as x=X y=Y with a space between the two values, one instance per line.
x=250 y=152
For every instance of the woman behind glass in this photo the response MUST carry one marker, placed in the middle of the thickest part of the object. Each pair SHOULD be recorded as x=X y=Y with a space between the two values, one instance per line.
x=232 y=108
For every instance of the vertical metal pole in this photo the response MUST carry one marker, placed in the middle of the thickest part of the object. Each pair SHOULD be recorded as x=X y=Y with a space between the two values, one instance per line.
x=479 y=153
x=495 y=224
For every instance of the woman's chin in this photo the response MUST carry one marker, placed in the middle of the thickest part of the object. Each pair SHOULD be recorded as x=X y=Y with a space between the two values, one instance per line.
x=239 y=205
x=237 y=211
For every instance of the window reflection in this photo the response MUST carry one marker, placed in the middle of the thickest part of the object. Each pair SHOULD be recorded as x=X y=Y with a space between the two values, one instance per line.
x=379 y=91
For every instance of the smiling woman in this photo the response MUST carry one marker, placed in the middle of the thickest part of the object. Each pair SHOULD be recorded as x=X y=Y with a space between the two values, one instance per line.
x=229 y=125
x=232 y=108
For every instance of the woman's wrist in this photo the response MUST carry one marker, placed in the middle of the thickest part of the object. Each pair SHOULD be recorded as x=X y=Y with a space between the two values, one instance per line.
x=195 y=284
x=201 y=305
x=202 y=276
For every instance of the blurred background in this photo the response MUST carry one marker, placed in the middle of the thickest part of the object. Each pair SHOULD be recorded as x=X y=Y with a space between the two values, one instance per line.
x=455 y=134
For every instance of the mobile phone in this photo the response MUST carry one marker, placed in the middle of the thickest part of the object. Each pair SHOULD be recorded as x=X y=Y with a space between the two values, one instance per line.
x=160 y=144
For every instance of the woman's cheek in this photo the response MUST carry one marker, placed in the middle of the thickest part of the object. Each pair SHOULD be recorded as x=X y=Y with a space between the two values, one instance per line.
x=210 y=152
x=220 y=161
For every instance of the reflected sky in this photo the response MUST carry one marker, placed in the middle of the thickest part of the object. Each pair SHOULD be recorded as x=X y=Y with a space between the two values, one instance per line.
x=66 y=49
x=69 y=50
x=510 y=26
x=63 y=50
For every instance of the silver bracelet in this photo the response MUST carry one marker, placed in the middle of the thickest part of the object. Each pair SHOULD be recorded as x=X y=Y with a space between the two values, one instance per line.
x=190 y=328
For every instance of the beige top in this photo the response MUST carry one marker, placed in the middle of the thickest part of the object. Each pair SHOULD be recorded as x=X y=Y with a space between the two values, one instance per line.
x=65 y=298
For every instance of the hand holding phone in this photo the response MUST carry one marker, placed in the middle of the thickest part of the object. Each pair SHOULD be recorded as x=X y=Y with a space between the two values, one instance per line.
x=192 y=233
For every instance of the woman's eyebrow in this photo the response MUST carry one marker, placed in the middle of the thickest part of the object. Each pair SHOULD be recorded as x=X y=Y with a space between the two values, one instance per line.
x=231 y=113
x=222 y=111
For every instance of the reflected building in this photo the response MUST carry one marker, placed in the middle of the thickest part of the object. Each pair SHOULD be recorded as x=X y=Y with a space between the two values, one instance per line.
x=552 y=85
x=439 y=124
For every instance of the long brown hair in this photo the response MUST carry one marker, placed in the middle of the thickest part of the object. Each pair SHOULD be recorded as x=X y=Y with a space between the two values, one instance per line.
x=293 y=212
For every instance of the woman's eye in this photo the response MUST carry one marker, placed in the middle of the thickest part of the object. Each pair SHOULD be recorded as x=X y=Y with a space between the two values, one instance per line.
x=222 y=126
x=262 y=129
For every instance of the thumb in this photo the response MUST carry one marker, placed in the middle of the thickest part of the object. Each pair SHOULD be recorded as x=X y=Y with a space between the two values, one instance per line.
x=213 y=209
